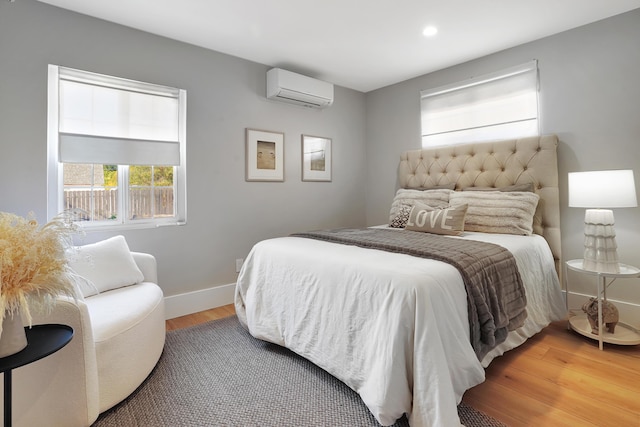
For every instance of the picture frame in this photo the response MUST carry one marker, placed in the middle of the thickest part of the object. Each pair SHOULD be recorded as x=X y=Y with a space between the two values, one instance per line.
x=264 y=155
x=316 y=158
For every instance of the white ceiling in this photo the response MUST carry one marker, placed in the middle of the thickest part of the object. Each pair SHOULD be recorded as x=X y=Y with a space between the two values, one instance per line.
x=359 y=44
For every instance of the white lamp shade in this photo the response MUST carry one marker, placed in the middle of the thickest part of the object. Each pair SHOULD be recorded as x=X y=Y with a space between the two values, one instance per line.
x=602 y=189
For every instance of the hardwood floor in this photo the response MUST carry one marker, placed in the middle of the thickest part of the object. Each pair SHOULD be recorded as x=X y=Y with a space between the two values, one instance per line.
x=557 y=378
x=201 y=317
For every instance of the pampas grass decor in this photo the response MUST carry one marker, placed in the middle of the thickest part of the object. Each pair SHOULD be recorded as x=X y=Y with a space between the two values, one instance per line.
x=33 y=264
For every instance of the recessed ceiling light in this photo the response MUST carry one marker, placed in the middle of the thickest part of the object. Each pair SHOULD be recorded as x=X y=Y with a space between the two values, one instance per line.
x=429 y=31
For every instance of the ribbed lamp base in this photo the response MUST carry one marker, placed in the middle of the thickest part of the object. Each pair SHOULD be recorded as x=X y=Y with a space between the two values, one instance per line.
x=600 y=247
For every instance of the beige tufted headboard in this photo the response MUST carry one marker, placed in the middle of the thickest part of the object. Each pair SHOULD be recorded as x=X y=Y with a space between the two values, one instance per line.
x=494 y=164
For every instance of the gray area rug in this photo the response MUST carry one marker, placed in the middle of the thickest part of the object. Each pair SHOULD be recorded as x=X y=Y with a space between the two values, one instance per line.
x=217 y=374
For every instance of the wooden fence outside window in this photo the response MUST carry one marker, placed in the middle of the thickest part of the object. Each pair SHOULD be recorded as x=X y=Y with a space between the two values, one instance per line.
x=105 y=202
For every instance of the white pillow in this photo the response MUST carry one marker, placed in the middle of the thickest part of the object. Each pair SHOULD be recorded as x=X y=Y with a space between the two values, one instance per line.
x=497 y=211
x=106 y=265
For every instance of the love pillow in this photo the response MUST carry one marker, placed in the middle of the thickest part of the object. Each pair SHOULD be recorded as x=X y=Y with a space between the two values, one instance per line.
x=449 y=221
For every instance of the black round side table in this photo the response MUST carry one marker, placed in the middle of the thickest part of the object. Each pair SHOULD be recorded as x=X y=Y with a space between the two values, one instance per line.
x=42 y=340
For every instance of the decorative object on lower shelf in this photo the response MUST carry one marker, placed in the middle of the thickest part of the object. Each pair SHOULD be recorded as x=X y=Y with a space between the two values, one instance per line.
x=609 y=315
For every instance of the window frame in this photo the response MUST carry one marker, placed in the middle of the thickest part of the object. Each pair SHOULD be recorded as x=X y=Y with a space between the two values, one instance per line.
x=55 y=168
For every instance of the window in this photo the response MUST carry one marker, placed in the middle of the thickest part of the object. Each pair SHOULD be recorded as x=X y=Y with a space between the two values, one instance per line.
x=501 y=105
x=116 y=150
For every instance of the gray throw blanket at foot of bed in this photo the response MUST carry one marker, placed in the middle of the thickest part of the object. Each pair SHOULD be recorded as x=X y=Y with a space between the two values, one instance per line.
x=496 y=300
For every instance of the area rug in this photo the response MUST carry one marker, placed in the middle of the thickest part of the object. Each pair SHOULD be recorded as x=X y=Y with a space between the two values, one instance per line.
x=217 y=374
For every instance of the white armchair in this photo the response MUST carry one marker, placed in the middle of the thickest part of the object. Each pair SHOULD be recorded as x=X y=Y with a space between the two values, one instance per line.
x=119 y=335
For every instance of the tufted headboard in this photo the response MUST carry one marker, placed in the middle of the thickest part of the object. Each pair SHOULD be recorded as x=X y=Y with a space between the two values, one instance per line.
x=494 y=164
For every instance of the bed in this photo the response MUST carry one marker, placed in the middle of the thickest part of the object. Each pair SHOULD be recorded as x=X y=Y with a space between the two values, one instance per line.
x=399 y=327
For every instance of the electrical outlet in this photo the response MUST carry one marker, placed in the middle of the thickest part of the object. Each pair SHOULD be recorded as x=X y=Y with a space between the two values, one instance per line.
x=239 y=262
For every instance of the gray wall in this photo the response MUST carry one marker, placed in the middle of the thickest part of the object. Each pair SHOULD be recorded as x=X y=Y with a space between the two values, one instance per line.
x=589 y=97
x=590 y=93
x=226 y=215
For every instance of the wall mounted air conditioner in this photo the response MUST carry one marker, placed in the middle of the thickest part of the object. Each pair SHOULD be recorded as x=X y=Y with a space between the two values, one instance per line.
x=285 y=86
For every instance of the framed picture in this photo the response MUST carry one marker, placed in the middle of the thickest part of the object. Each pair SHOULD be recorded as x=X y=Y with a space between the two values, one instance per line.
x=316 y=158
x=264 y=155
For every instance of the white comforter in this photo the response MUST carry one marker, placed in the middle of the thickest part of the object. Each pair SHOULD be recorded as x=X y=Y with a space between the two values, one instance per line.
x=391 y=326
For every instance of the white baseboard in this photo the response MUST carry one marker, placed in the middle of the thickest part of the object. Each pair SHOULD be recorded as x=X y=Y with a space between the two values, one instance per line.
x=193 y=302
x=629 y=312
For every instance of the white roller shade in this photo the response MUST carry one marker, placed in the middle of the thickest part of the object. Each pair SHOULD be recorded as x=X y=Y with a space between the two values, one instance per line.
x=117 y=121
x=494 y=106
x=89 y=149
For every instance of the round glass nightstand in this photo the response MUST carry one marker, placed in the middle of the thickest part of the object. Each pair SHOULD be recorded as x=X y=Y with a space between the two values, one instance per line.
x=625 y=334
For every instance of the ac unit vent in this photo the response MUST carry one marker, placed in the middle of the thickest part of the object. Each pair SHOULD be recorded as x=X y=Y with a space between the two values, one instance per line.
x=286 y=86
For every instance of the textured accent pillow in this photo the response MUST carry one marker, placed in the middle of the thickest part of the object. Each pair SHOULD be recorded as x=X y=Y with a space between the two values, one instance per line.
x=105 y=265
x=448 y=221
x=497 y=211
x=451 y=186
x=515 y=187
x=400 y=220
x=435 y=198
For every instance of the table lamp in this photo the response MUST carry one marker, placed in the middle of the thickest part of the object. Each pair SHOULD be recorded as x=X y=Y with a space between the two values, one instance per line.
x=597 y=190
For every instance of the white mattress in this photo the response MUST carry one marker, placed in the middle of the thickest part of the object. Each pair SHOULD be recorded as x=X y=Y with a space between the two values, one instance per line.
x=392 y=327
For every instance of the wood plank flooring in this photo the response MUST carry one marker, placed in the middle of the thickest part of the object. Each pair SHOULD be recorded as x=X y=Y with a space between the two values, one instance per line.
x=557 y=378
